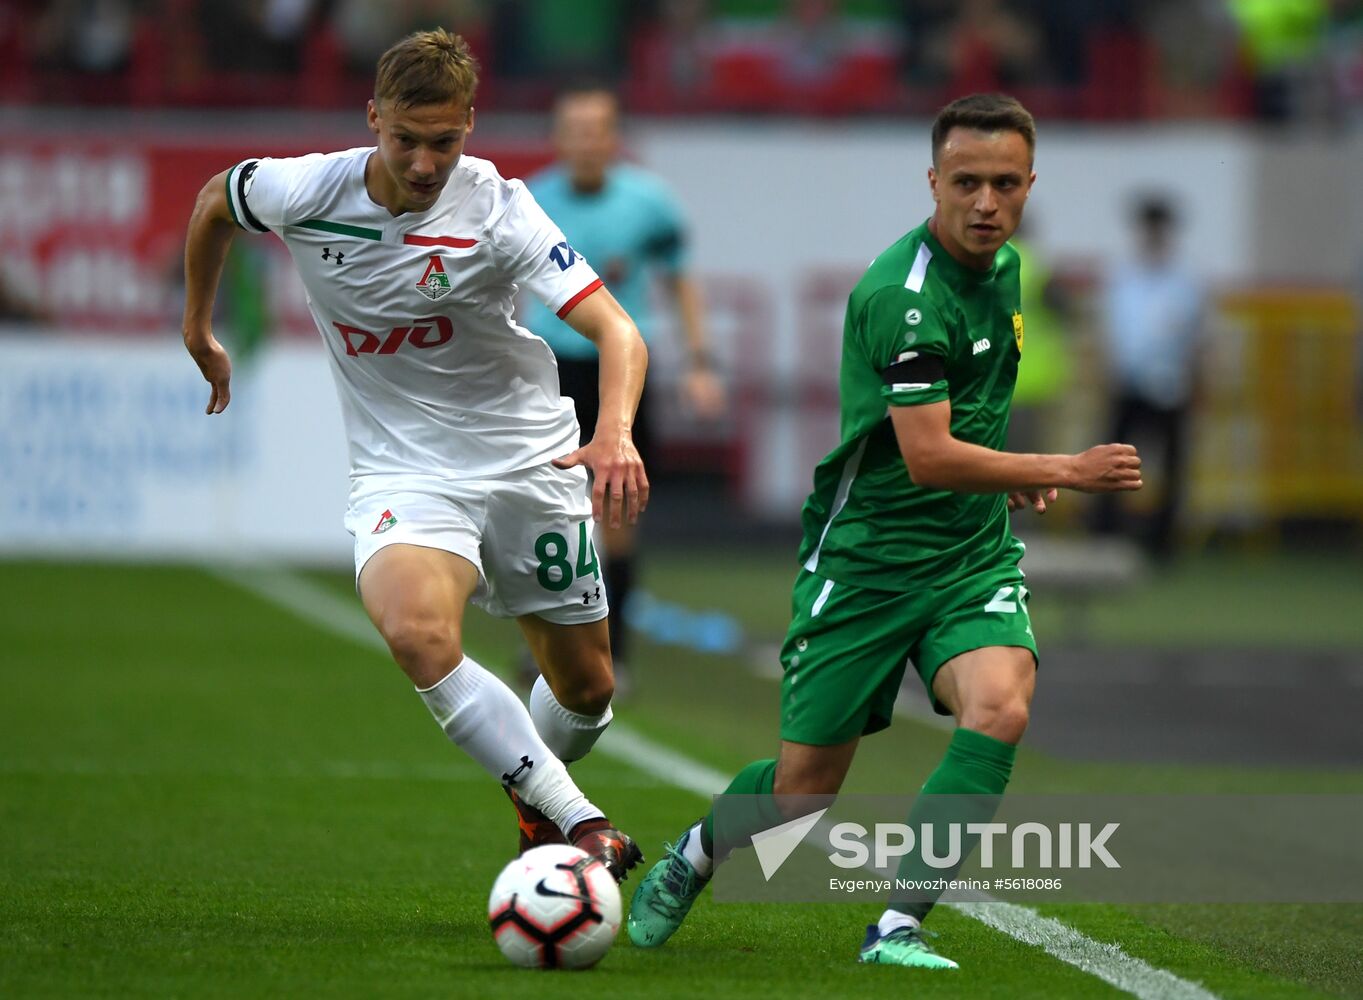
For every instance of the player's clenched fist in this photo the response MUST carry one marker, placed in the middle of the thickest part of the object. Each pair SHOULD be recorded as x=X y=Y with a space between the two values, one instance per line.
x=1107 y=468
x=1036 y=499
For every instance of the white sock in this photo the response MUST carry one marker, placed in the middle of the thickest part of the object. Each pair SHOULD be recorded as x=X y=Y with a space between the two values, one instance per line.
x=569 y=734
x=892 y=920
x=552 y=792
x=483 y=717
x=693 y=852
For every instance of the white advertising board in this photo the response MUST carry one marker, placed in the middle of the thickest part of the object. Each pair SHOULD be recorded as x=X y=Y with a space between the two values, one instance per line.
x=105 y=450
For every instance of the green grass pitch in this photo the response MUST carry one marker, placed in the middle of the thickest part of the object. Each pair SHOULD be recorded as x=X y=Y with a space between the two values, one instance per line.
x=202 y=795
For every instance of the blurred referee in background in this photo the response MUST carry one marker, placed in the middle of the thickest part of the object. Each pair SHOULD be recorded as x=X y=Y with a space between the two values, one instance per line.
x=628 y=224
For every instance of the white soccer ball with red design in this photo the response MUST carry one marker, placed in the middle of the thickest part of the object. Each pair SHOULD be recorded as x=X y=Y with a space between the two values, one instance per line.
x=554 y=907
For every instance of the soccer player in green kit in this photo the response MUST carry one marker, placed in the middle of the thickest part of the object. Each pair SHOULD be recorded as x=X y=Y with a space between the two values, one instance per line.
x=908 y=553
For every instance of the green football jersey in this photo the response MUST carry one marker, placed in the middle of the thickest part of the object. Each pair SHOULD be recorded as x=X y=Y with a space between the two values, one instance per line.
x=920 y=328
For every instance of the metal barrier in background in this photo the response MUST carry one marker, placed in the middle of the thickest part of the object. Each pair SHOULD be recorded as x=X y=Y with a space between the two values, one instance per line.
x=1279 y=432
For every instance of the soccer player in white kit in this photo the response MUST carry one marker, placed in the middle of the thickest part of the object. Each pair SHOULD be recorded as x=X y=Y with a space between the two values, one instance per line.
x=467 y=478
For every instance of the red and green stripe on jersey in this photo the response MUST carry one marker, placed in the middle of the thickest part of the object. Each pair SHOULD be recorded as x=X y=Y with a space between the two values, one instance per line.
x=239 y=186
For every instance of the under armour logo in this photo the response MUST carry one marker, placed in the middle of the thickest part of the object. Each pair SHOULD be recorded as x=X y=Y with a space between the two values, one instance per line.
x=525 y=765
x=588 y=596
x=327 y=254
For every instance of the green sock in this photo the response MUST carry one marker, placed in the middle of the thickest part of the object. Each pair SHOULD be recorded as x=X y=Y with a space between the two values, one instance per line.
x=972 y=775
x=754 y=816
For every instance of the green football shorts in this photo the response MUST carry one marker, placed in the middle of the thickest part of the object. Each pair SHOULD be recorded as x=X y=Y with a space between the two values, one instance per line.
x=847 y=648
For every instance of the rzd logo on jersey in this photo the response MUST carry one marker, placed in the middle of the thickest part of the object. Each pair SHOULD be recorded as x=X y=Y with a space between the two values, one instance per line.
x=434 y=283
x=430 y=331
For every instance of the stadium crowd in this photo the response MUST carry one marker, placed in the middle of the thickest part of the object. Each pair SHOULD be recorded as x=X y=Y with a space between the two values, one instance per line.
x=1080 y=59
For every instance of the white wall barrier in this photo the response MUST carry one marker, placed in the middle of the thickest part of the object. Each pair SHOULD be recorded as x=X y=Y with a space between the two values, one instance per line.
x=105 y=450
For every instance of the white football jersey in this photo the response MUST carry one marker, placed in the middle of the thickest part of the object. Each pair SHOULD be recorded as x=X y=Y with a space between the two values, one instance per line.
x=434 y=374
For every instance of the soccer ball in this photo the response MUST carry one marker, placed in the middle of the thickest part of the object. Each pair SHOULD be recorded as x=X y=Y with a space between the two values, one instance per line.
x=554 y=907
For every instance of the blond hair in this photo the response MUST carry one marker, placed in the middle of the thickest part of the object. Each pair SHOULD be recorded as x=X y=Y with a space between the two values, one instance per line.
x=426 y=67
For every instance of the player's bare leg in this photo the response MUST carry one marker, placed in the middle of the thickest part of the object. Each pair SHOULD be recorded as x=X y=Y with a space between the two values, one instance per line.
x=569 y=702
x=575 y=663
x=803 y=769
x=989 y=691
x=416 y=597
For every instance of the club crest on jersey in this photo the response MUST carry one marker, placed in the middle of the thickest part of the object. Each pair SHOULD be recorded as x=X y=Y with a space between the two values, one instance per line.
x=1017 y=328
x=386 y=521
x=434 y=283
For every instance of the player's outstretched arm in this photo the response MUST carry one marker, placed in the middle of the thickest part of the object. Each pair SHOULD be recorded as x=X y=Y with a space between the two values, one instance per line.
x=620 y=487
x=206 y=244
x=938 y=460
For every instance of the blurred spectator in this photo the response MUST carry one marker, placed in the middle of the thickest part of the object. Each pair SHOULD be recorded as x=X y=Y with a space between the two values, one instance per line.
x=15 y=310
x=811 y=41
x=628 y=223
x=1194 y=48
x=86 y=36
x=923 y=26
x=1284 y=41
x=367 y=27
x=1044 y=371
x=1075 y=33
x=671 y=55
x=676 y=52
x=831 y=60
x=1153 y=312
x=1344 y=44
x=557 y=42
x=1101 y=59
x=256 y=35
x=974 y=45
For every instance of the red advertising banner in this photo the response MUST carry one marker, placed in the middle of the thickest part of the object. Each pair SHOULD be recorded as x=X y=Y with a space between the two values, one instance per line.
x=92 y=229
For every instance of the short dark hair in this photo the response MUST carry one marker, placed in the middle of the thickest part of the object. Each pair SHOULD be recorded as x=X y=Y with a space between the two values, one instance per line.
x=1154 y=211
x=987 y=113
x=586 y=87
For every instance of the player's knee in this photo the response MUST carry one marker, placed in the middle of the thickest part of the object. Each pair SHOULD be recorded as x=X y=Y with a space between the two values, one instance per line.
x=589 y=696
x=426 y=647
x=1004 y=719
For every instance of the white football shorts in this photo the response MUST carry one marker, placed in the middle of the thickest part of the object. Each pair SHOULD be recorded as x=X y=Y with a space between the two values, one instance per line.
x=528 y=533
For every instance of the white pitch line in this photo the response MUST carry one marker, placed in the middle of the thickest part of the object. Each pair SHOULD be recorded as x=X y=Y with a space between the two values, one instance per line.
x=314 y=604
x=1108 y=962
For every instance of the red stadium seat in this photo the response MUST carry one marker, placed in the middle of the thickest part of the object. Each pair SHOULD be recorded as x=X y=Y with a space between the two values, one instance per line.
x=747 y=80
